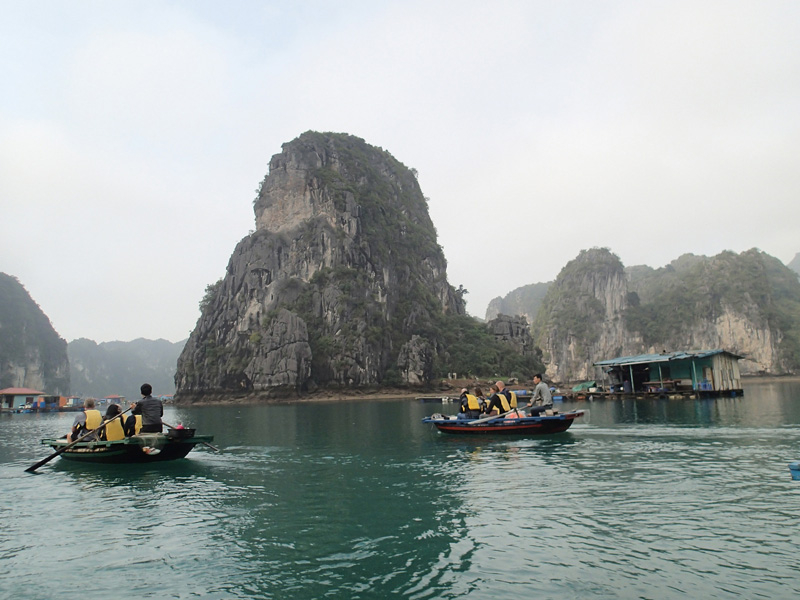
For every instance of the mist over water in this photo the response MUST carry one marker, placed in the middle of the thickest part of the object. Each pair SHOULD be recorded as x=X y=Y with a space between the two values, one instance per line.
x=639 y=499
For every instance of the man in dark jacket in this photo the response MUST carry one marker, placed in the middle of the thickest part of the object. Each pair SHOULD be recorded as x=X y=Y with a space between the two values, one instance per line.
x=151 y=410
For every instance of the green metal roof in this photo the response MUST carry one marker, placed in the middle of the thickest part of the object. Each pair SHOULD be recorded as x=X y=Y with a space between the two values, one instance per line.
x=665 y=357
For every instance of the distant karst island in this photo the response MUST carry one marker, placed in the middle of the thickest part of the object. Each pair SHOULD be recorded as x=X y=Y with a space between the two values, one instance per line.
x=342 y=289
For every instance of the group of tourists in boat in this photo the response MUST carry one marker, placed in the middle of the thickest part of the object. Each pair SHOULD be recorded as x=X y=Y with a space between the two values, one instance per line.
x=115 y=439
x=145 y=417
x=501 y=413
x=502 y=401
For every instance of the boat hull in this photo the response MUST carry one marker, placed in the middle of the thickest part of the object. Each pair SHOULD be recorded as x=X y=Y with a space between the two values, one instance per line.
x=143 y=448
x=539 y=425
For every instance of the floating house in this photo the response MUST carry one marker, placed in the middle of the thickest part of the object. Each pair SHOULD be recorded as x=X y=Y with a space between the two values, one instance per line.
x=704 y=373
x=17 y=398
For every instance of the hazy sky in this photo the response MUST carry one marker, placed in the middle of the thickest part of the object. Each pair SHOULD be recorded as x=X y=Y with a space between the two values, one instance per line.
x=133 y=136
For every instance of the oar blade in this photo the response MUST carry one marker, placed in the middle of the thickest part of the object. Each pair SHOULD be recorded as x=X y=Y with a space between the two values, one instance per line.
x=33 y=468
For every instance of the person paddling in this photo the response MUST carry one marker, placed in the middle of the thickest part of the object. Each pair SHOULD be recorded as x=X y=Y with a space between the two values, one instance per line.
x=151 y=410
x=542 y=400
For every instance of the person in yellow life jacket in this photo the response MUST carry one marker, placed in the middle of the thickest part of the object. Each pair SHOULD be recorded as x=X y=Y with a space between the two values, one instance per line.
x=85 y=422
x=510 y=396
x=113 y=430
x=498 y=403
x=133 y=425
x=470 y=405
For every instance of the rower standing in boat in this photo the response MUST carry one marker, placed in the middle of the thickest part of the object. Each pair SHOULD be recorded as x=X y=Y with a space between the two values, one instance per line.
x=151 y=410
x=541 y=396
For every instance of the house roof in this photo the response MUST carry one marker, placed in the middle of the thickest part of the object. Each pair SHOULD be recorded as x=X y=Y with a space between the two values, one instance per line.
x=664 y=357
x=12 y=391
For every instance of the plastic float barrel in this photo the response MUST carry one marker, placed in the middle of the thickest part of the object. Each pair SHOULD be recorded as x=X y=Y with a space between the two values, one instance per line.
x=794 y=469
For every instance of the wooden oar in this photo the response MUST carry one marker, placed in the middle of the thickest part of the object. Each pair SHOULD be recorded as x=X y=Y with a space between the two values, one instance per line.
x=214 y=448
x=32 y=468
x=491 y=417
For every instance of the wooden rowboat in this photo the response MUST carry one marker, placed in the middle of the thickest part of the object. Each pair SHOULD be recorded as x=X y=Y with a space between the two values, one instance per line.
x=142 y=448
x=538 y=425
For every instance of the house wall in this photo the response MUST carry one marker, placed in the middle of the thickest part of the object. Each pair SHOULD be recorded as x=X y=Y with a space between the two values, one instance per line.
x=720 y=372
x=673 y=370
x=726 y=373
x=23 y=400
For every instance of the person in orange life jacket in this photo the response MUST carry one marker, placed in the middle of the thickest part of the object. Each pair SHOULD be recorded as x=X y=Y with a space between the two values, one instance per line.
x=150 y=409
x=85 y=421
x=541 y=396
x=497 y=402
x=113 y=429
x=470 y=406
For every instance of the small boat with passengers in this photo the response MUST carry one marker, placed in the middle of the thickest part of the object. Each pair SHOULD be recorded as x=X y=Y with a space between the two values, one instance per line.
x=140 y=448
x=555 y=422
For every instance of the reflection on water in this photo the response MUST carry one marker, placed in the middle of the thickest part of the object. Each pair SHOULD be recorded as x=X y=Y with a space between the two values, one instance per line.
x=652 y=499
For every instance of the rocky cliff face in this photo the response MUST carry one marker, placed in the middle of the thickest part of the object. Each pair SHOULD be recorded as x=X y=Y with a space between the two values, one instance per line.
x=32 y=355
x=524 y=301
x=581 y=319
x=513 y=331
x=340 y=284
x=596 y=311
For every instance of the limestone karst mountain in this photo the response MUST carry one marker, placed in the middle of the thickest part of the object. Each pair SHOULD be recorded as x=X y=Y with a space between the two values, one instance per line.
x=32 y=354
x=121 y=367
x=748 y=304
x=523 y=301
x=342 y=283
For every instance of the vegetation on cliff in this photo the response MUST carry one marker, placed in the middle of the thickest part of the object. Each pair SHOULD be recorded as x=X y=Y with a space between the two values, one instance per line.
x=343 y=284
x=748 y=302
x=29 y=345
x=98 y=370
x=524 y=301
x=571 y=312
x=671 y=301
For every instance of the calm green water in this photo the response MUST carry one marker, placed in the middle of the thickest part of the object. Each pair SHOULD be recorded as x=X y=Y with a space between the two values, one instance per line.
x=644 y=499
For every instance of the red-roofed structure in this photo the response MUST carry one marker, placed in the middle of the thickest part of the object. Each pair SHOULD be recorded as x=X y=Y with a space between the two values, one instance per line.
x=13 y=398
x=20 y=392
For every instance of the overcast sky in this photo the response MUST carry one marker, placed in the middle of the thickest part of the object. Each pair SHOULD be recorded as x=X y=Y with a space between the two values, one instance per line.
x=133 y=136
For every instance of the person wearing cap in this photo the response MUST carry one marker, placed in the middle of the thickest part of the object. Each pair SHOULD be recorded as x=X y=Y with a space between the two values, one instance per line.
x=151 y=410
x=541 y=396
x=470 y=405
